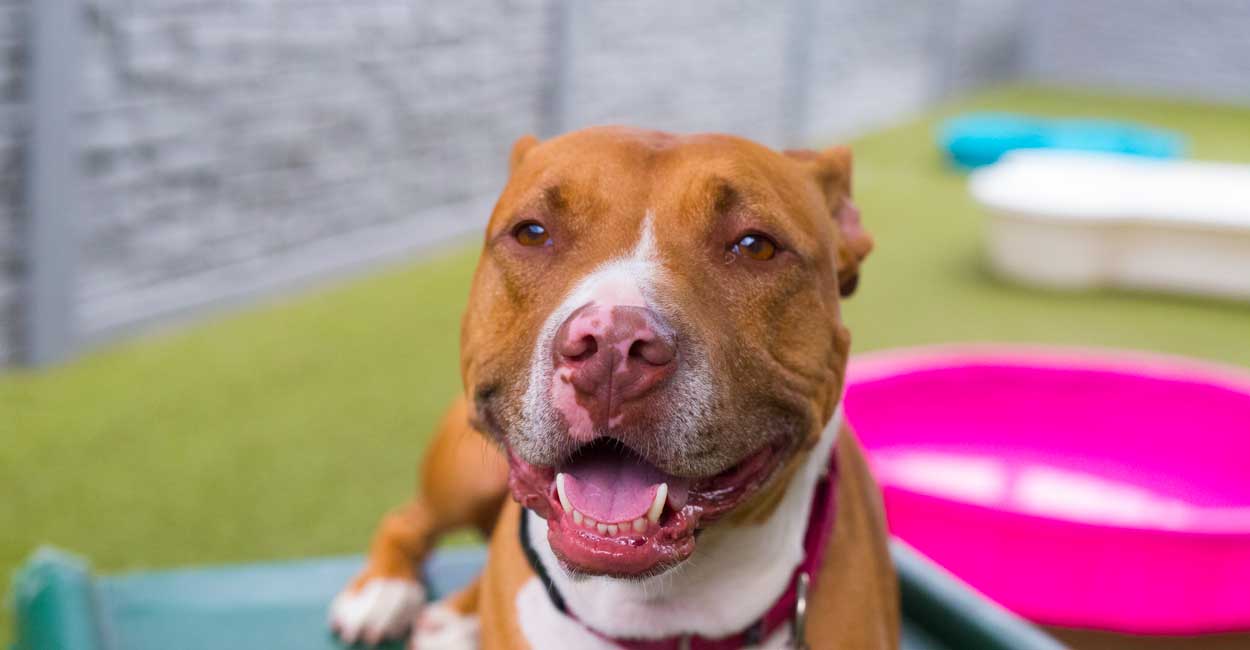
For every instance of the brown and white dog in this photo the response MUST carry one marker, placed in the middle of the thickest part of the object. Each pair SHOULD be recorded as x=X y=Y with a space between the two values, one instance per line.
x=653 y=360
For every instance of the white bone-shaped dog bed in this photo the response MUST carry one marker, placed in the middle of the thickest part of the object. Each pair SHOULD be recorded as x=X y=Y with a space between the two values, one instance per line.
x=1077 y=220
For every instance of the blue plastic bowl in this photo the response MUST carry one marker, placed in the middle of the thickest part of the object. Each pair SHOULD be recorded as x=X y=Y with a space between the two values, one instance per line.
x=981 y=139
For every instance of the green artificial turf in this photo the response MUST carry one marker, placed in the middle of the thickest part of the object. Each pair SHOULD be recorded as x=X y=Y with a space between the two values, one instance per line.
x=928 y=279
x=287 y=430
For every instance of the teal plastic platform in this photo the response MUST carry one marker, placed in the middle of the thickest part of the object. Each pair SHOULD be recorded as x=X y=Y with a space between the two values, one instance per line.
x=62 y=606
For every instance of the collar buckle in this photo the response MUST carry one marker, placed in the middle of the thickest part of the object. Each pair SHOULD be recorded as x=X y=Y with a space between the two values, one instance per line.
x=798 y=624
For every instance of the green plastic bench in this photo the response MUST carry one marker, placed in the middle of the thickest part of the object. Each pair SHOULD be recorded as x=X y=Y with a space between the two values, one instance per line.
x=61 y=605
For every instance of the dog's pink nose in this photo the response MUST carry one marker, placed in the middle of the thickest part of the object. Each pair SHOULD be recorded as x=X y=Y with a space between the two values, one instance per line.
x=614 y=354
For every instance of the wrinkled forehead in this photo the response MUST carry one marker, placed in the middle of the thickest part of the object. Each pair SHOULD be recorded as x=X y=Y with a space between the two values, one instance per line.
x=615 y=177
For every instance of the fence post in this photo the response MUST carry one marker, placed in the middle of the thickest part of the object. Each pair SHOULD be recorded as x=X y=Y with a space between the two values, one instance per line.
x=51 y=182
x=797 y=75
x=553 y=104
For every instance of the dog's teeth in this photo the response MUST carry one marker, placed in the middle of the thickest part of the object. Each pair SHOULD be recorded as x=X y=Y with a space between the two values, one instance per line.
x=613 y=529
x=564 y=500
x=657 y=506
x=640 y=525
x=589 y=523
x=577 y=518
x=602 y=528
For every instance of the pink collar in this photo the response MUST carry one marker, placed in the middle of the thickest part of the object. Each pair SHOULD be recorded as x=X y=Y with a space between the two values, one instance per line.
x=819 y=530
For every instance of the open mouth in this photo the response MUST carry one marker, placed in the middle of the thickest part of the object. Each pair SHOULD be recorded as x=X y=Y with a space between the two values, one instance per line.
x=611 y=512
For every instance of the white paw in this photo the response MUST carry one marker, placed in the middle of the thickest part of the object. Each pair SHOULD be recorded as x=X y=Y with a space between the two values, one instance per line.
x=439 y=627
x=382 y=609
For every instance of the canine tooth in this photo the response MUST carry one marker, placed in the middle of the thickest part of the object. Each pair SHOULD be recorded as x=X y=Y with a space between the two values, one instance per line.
x=602 y=528
x=613 y=529
x=640 y=525
x=564 y=500
x=577 y=518
x=589 y=523
x=657 y=506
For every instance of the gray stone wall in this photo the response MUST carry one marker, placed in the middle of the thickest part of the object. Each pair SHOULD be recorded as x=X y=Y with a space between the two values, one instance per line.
x=229 y=146
x=873 y=63
x=785 y=73
x=13 y=17
x=984 y=41
x=680 y=66
x=1187 y=48
x=233 y=148
x=870 y=63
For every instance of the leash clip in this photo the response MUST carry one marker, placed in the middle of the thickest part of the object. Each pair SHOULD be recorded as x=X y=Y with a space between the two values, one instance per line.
x=798 y=625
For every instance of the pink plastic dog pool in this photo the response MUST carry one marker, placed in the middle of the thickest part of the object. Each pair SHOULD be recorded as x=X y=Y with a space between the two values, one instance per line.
x=1078 y=488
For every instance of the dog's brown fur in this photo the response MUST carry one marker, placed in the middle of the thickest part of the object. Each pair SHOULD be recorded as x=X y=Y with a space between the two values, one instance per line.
x=774 y=333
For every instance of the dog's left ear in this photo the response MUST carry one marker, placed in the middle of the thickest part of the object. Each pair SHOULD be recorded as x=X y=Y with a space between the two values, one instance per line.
x=831 y=170
x=519 y=148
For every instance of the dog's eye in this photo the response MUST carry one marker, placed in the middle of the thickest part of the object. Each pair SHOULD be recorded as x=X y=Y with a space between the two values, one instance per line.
x=757 y=247
x=531 y=233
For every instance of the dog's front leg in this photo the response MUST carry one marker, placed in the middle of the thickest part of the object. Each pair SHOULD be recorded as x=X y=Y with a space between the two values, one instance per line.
x=464 y=482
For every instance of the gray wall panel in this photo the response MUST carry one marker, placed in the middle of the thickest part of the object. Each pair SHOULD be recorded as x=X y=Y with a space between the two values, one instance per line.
x=1186 y=48
x=220 y=135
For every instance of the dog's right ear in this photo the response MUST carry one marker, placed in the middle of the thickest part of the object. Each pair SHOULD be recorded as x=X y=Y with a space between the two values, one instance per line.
x=519 y=148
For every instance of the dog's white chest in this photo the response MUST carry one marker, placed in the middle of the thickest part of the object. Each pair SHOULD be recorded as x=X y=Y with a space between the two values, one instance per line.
x=727 y=585
x=546 y=628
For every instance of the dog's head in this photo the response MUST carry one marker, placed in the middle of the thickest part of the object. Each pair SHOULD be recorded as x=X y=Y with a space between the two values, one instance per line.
x=654 y=335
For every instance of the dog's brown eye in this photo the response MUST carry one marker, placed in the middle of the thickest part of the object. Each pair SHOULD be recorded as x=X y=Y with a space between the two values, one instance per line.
x=756 y=247
x=531 y=233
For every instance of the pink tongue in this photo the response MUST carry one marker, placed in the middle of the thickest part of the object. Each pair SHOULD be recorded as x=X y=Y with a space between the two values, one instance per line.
x=613 y=486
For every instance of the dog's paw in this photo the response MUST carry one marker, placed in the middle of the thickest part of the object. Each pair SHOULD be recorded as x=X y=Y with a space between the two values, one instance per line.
x=440 y=627
x=381 y=609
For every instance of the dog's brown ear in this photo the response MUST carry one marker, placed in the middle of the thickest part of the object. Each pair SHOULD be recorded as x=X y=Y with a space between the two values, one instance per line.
x=519 y=148
x=831 y=170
